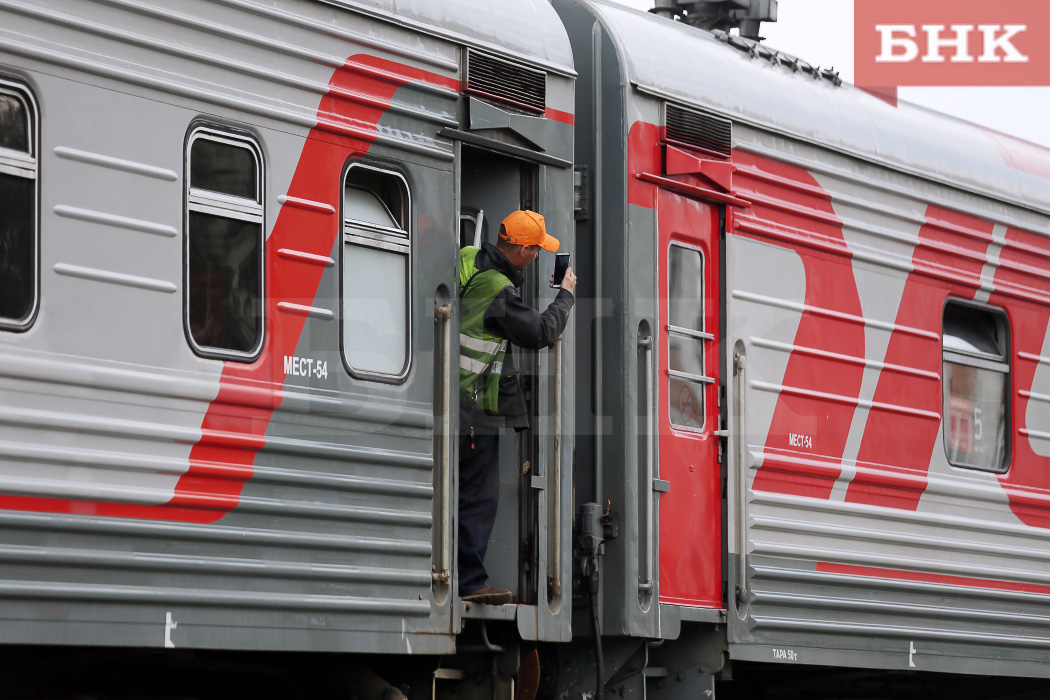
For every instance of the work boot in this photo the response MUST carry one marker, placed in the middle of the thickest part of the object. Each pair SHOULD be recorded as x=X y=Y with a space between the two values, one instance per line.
x=489 y=596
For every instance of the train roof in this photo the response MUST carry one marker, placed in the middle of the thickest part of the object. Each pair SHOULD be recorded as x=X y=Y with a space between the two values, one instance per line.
x=528 y=29
x=693 y=66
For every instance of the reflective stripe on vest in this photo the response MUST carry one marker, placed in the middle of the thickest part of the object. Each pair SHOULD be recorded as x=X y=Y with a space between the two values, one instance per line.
x=490 y=347
x=477 y=367
x=480 y=352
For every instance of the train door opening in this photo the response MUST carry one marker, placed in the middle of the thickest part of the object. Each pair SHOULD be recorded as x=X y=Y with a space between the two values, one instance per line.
x=492 y=186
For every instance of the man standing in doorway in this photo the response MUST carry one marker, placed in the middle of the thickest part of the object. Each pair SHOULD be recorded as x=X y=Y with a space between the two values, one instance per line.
x=493 y=315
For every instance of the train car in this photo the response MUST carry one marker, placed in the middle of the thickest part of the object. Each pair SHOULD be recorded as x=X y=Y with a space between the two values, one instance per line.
x=229 y=340
x=812 y=416
x=793 y=448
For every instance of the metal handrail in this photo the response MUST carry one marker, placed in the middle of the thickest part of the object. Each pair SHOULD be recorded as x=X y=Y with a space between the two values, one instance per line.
x=650 y=400
x=443 y=574
x=689 y=332
x=689 y=376
x=554 y=544
x=740 y=365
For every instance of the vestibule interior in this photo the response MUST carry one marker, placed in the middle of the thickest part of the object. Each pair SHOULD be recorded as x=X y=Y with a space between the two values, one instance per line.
x=492 y=185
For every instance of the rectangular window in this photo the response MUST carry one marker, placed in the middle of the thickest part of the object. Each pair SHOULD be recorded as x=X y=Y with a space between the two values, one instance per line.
x=976 y=374
x=686 y=337
x=375 y=272
x=18 y=204
x=224 y=246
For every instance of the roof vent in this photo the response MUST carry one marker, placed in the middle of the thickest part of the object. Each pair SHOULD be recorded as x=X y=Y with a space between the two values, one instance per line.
x=511 y=83
x=699 y=130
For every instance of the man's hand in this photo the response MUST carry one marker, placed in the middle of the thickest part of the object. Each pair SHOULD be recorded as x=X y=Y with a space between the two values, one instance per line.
x=569 y=281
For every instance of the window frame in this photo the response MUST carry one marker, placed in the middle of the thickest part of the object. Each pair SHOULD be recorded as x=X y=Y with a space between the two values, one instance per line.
x=26 y=165
x=383 y=238
x=223 y=205
x=980 y=361
x=700 y=334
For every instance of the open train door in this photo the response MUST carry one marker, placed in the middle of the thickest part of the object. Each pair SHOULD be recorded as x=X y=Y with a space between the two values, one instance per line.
x=688 y=476
x=511 y=156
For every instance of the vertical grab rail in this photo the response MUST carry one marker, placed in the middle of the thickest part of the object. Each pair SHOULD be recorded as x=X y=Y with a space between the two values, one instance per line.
x=739 y=365
x=646 y=585
x=443 y=572
x=554 y=543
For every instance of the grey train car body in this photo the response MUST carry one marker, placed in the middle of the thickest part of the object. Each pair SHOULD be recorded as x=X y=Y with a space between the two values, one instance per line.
x=865 y=508
x=225 y=420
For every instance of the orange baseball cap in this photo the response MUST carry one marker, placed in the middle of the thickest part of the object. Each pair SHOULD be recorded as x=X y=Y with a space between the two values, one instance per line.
x=525 y=227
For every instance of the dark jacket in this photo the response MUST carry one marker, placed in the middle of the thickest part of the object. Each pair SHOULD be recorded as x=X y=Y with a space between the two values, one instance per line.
x=509 y=317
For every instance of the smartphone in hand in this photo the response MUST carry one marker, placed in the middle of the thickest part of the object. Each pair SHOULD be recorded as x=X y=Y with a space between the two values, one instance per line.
x=561 y=264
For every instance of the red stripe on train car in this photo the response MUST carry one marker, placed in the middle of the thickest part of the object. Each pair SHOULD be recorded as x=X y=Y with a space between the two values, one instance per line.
x=1022 y=286
x=951 y=252
x=559 y=116
x=644 y=155
x=819 y=397
x=234 y=427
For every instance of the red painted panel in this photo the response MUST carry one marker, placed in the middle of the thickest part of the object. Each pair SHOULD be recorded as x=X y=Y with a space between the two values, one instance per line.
x=948 y=260
x=233 y=429
x=1023 y=288
x=558 y=115
x=644 y=155
x=690 y=513
x=814 y=412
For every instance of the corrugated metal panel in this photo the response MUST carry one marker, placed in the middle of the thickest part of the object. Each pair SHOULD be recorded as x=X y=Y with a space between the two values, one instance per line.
x=945 y=577
x=326 y=542
x=220 y=43
x=338 y=528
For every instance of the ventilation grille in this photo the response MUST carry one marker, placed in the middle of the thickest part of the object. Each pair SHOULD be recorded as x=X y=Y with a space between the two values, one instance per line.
x=525 y=88
x=704 y=131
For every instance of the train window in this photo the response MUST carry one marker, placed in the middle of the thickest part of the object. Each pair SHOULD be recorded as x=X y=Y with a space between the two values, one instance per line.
x=224 y=245
x=686 y=337
x=18 y=205
x=375 y=273
x=976 y=373
x=218 y=166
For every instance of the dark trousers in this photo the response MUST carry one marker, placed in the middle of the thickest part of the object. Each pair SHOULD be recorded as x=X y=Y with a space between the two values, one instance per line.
x=478 y=501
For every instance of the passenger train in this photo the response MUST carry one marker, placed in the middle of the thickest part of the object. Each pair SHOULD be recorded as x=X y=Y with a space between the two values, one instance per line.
x=794 y=443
